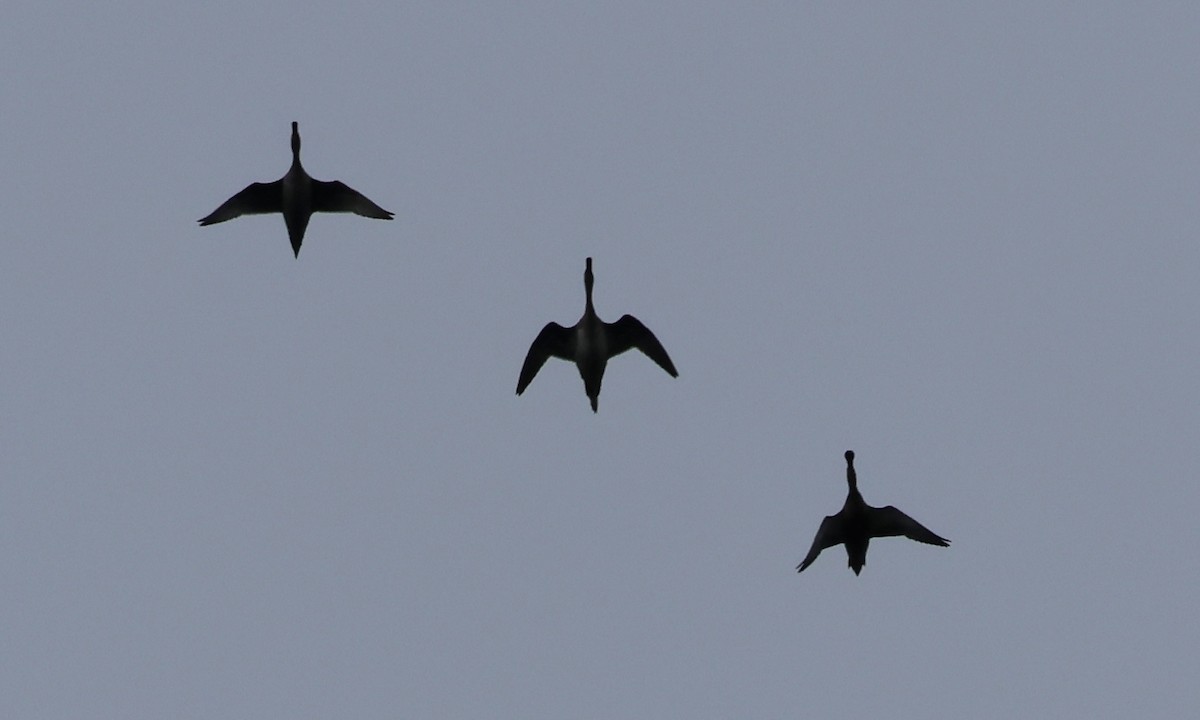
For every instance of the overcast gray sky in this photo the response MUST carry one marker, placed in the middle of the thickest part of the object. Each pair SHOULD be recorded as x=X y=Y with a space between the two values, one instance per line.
x=959 y=239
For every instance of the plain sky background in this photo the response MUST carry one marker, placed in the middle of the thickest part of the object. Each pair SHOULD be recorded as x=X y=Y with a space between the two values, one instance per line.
x=958 y=238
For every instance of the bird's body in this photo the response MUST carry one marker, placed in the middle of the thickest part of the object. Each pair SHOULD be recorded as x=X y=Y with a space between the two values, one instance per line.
x=296 y=207
x=590 y=343
x=296 y=196
x=857 y=522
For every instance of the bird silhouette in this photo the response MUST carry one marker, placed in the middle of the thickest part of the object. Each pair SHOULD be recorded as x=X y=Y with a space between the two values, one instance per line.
x=590 y=343
x=297 y=195
x=857 y=522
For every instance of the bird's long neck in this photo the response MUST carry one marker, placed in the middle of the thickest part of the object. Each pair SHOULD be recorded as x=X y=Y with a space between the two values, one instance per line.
x=588 y=281
x=296 y=144
x=851 y=477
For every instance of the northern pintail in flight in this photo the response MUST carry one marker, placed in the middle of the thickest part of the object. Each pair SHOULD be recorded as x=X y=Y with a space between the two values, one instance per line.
x=297 y=195
x=590 y=344
x=858 y=522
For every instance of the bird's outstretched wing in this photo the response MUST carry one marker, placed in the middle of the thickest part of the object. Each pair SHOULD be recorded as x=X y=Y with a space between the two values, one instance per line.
x=889 y=521
x=337 y=196
x=831 y=532
x=255 y=199
x=629 y=332
x=554 y=340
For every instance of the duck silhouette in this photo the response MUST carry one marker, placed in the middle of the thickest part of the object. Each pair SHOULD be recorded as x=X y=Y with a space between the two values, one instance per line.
x=297 y=195
x=590 y=343
x=858 y=522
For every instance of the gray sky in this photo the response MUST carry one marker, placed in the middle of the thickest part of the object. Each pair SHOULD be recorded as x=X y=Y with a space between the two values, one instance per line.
x=961 y=241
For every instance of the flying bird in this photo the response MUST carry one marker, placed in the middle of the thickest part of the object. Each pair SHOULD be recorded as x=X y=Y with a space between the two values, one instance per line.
x=590 y=344
x=297 y=195
x=858 y=522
